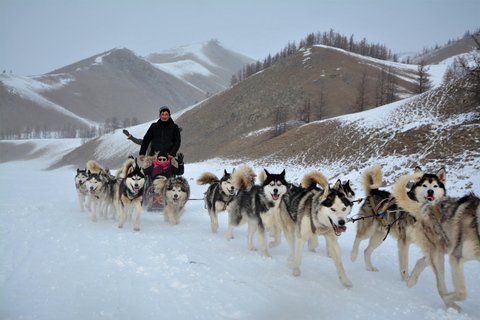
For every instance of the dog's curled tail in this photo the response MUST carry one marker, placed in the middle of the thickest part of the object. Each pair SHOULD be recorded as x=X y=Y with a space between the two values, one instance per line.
x=314 y=178
x=244 y=178
x=128 y=166
x=399 y=192
x=159 y=183
x=207 y=178
x=262 y=176
x=372 y=179
x=94 y=167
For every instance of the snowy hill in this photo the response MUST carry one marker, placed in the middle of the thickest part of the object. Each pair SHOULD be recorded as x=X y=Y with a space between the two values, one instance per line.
x=117 y=84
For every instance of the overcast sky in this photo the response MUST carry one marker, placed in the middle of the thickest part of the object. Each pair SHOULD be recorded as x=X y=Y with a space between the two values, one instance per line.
x=39 y=36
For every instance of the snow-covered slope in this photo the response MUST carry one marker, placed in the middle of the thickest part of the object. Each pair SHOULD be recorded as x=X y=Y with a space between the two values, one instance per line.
x=56 y=263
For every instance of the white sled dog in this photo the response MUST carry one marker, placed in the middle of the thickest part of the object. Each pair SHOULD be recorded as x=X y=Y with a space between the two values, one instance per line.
x=218 y=195
x=80 y=178
x=100 y=185
x=444 y=226
x=252 y=203
x=130 y=192
x=175 y=192
x=379 y=215
x=311 y=211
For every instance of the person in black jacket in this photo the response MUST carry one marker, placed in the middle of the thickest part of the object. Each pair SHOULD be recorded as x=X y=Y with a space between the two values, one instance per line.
x=163 y=135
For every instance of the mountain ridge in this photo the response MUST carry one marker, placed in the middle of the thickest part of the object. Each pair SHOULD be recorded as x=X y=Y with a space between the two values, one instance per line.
x=115 y=83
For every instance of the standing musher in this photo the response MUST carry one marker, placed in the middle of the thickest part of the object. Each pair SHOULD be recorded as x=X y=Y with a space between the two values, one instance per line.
x=164 y=135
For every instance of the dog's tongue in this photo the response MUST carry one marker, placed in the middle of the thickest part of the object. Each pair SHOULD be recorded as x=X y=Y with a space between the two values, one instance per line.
x=275 y=196
x=430 y=198
x=338 y=230
x=93 y=191
x=176 y=201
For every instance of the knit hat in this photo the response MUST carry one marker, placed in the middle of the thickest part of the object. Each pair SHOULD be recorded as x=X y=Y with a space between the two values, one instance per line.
x=164 y=108
x=162 y=154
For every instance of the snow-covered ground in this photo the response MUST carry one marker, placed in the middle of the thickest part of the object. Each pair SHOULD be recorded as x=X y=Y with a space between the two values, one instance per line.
x=55 y=263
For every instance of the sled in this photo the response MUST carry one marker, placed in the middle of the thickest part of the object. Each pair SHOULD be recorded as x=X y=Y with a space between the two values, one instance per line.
x=153 y=201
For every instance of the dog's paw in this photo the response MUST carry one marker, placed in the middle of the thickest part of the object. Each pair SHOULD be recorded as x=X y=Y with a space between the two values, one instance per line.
x=273 y=244
x=347 y=283
x=297 y=272
x=266 y=254
x=136 y=229
x=411 y=282
x=373 y=269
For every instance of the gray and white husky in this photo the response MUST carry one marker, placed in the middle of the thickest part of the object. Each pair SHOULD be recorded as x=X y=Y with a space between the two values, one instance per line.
x=218 y=195
x=130 y=192
x=444 y=226
x=175 y=192
x=313 y=211
x=252 y=204
x=101 y=189
x=380 y=214
x=80 y=178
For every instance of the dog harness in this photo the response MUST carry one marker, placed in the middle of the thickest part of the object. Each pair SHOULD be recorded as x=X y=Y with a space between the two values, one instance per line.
x=381 y=216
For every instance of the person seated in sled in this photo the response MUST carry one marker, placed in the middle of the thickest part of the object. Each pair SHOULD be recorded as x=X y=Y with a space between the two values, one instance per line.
x=160 y=164
x=159 y=167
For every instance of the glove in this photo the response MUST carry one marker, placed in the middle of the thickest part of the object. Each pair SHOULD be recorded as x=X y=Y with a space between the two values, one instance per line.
x=125 y=132
x=180 y=158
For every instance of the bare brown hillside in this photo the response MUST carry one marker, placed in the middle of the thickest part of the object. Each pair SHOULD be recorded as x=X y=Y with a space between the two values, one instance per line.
x=215 y=127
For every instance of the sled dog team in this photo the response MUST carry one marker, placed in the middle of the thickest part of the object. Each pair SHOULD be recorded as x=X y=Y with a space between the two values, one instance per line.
x=124 y=192
x=424 y=215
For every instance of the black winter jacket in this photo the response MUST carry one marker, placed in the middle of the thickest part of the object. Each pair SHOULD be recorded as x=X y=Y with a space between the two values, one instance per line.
x=164 y=135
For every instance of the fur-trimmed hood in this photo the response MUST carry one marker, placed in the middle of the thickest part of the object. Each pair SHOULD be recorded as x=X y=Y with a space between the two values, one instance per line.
x=151 y=159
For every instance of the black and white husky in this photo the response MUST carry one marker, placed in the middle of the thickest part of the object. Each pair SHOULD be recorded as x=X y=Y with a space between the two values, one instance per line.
x=252 y=204
x=80 y=178
x=130 y=192
x=218 y=195
x=313 y=211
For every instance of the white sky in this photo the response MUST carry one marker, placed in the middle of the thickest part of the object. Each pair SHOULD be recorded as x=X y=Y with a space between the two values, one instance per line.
x=39 y=36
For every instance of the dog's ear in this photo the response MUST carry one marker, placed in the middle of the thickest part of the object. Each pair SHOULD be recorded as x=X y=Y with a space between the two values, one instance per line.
x=78 y=170
x=225 y=172
x=283 y=173
x=88 y=172
x=442 y=175
x=268 y=173
x=338 y=185
x=419 y=174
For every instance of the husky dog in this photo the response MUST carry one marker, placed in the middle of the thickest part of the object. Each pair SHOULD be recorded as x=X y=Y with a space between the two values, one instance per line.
x=175 y=192
x=444 y=226
x=380 y=214
x=253 y=202
x=312 y=211
x=350 y=194
x=82 y=191
x=218 y=195
x=100 y=188
x=130 y=192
